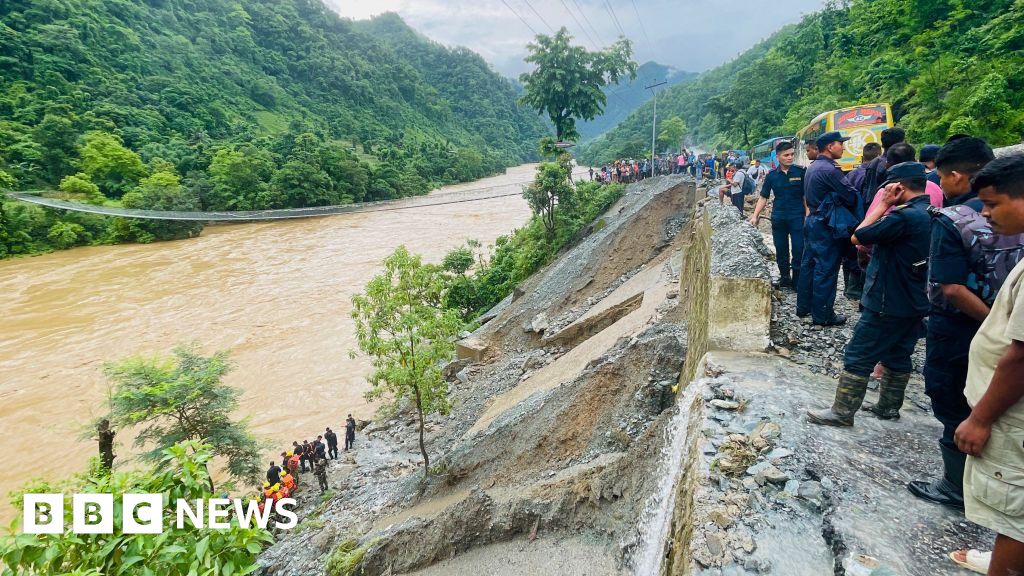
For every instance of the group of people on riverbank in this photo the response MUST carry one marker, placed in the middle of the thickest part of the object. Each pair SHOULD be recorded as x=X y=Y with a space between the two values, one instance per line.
x=931 y=245
x=283 y=479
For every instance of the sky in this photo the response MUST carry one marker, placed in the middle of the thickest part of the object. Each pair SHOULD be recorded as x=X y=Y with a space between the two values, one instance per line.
x=691 y=35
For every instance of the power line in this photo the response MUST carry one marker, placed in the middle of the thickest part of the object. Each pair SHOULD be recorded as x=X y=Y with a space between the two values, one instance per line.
x=641 y=21
x=586 y=19
x=521 y=19
x=534 y=10
x=580 y=24
x=615 y=19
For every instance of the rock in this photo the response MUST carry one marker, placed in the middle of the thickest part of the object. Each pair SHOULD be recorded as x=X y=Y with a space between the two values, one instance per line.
x=716 y=544
x=769 y=430
x=773 y=475
x=792 y=487
x=744 y=542
x=539 y=324
x=725 y=404
x=812 y=492
x=758 y=468
x=779 y=453
x=721 y=517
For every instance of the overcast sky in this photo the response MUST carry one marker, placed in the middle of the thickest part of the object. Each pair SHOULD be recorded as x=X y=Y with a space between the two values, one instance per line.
x=691 y=35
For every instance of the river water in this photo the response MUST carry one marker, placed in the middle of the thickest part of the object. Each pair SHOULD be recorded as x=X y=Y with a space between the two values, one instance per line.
x=277 y=295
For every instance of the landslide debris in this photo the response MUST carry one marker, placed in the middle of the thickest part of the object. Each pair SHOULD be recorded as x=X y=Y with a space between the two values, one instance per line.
x=557 y=426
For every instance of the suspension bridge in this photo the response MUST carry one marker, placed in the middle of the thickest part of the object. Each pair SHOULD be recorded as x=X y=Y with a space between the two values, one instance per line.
x=455 y=197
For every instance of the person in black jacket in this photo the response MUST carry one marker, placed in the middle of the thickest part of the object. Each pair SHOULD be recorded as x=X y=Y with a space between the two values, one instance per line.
x=332 y=443
x=273 y=474
x=350 y=432
x=895 y=299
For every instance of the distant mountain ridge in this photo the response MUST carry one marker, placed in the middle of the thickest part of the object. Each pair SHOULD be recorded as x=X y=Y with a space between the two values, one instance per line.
x=626 y=97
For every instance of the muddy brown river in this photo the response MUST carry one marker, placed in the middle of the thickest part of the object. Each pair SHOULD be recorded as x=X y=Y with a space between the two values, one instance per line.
x=276 y=294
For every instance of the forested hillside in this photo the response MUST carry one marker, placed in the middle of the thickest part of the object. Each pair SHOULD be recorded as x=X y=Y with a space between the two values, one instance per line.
x=220 y=104
x=947 y=66
x=626 y=97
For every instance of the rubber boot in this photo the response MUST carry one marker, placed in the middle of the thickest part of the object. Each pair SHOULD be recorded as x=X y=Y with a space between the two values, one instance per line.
x=849 y=396
x=948 y=490
x=853 y=287
x=785 y=280
x=892 y=389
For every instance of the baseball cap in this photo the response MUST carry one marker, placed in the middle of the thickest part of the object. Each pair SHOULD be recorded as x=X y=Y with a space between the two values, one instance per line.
x=906 y=171
x=828 y=138
x=929 y=152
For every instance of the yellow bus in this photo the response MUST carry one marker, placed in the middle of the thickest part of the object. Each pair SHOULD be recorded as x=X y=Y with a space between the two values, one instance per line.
x=862 y=124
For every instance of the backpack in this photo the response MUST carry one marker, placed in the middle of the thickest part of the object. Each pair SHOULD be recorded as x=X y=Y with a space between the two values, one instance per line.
x=991 y=256
x=748 y=184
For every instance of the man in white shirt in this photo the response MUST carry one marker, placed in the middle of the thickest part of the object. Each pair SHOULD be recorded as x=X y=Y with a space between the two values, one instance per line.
x=993 y=435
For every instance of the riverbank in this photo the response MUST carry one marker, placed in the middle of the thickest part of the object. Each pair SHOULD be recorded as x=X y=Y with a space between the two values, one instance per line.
x=277 y=295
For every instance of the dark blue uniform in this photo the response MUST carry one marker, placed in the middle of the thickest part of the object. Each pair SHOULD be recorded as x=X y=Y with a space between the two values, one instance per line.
x=823 y=253
x=950 y=331
x=787 y=217
x=895 y=291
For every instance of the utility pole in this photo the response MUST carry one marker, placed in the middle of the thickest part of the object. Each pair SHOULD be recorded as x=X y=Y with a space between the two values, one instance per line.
x=654 y=124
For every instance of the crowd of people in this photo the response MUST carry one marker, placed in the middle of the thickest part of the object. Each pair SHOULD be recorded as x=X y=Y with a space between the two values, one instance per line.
x=283 y=479
x=930 y=244
x=627 y=171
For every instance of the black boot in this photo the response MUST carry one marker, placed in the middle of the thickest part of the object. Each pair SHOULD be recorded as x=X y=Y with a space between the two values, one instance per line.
x=948 y=490
x=785 y=280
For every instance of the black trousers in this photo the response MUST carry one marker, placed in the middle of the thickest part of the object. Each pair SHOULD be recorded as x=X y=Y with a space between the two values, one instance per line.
x=332 y=451
x=350 y=439
x=945 y=372
x=879 y=338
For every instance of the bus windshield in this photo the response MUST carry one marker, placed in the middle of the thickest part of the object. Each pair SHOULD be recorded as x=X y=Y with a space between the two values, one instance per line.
x=859 y=116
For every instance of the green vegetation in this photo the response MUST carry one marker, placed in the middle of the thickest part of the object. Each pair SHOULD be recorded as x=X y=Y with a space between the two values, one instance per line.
x=346 y=558
x=568 y=82
x=180 y=473
x=518 y=255
x=947 y=66
x=263 y=104
x=402 y=324
x=182 y=399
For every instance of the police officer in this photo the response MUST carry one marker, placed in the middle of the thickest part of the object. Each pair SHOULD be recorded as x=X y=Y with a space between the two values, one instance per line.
x=824 y=186
x=956 y=313
x=894 y=301
x=787 y=182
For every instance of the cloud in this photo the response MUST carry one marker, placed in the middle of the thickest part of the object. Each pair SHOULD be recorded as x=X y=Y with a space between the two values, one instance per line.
x=692 y=35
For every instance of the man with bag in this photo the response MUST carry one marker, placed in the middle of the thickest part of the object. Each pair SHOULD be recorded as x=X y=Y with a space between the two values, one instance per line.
x=833 y=211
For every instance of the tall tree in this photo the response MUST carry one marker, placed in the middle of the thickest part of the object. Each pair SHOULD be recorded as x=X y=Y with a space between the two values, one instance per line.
x=672 y=132
x=567 y=82
x=180 y=399
x=404 y=326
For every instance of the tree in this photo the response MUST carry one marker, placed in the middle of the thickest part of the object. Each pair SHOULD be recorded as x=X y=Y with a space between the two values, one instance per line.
x=161 y=191
x=241 y=179
x=403 y=325
x=107 y=162
x=672 y=132
x=180 y=472
x=56 y=137
x=80 y=186
x=550 y=188
x=180 y=399
x=568 y=80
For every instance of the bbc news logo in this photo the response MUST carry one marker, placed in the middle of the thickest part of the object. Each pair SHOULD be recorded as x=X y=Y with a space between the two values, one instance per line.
x=144 y=514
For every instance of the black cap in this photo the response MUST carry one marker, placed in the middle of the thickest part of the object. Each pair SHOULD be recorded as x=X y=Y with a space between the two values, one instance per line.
x=906 y=171
x=929 y=152
x=828 y=138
